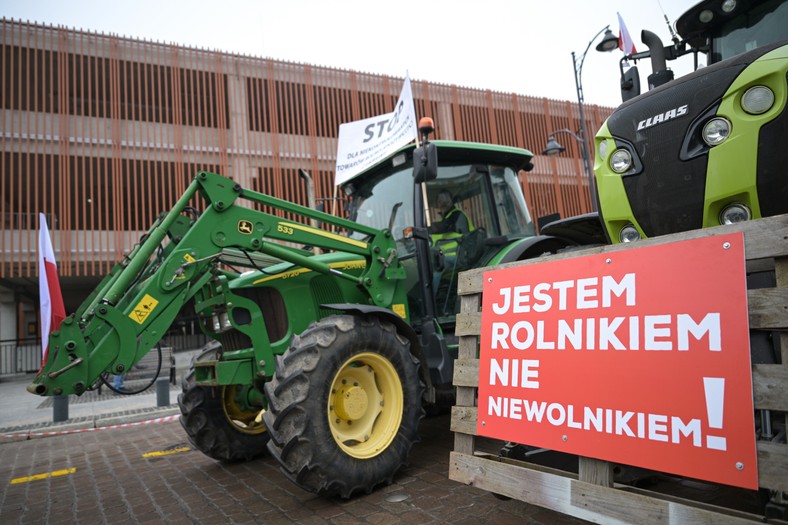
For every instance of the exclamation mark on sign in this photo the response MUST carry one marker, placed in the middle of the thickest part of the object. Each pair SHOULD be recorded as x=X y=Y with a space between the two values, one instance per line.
x=715 y=401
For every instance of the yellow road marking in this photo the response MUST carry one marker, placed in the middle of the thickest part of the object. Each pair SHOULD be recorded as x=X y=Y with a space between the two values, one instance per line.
x=165 y=452
x=37 y=477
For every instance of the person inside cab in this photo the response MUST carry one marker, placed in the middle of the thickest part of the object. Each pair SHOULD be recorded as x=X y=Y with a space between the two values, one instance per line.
x=446 y=233
x=453 y=220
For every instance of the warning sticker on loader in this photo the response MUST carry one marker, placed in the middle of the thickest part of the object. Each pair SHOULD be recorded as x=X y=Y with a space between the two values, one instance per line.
x=143 y=309
x=640 y=357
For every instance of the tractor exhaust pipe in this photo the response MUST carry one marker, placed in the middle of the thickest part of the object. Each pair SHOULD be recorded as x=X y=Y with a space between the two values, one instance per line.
x=660 y=72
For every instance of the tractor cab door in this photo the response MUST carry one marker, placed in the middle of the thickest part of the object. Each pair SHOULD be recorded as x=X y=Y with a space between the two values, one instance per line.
x=474 y=209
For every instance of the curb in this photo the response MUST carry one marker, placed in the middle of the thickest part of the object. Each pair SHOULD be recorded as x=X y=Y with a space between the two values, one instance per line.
x=99 y=422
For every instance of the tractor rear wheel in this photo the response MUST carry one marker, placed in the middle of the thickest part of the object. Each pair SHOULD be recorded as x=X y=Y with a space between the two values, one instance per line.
x=344 y=406
x=216 y=422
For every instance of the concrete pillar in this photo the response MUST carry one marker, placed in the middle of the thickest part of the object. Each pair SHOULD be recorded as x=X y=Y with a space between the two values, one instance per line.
x=163 y=392
x=60 y=409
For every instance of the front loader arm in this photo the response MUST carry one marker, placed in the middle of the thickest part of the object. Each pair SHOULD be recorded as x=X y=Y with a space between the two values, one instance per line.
x=137 y=302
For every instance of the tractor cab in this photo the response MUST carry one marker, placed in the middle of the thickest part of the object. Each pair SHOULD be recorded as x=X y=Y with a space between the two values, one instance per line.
x=466 y=212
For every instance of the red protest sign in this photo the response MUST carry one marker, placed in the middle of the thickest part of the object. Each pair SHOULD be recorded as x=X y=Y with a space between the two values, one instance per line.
x=639 y=357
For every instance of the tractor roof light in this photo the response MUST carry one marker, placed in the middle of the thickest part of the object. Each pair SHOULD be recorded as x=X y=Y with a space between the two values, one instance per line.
x=728 y=6
x=735 y=213
x=629 y=233
x=757 y=100
x=621 y=160
x=706 y=16
x=716 y=131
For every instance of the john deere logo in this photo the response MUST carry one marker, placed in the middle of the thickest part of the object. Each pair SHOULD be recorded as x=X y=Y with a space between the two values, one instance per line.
x=245 y=227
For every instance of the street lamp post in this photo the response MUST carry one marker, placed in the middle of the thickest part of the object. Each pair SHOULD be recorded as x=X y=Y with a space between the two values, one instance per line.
x=608 y=43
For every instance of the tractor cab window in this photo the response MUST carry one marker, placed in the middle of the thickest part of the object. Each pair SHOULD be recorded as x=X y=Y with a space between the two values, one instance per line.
x=380 y=199
x=762 y=25
x=486 y=197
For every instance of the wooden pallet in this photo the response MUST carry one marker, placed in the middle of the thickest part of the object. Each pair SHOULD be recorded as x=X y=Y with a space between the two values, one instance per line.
x=591 y=493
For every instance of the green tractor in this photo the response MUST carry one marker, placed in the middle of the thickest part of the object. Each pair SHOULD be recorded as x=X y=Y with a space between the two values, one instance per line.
x=330 y=336
x=707 y=148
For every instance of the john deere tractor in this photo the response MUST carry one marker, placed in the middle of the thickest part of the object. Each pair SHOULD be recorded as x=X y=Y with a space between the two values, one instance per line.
x=330 y=335
x=707 y=148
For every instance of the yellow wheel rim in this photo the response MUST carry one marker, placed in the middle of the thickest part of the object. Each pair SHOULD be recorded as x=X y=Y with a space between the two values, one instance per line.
x=365 y=405
x=243 y=419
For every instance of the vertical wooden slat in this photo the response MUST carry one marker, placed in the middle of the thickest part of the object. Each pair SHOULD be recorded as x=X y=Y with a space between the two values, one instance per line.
x=63 y=150
x=27 y=151
x=91 y=152
x=12 y=190
x=103 y=180
x=7 y=224
x=79 y=197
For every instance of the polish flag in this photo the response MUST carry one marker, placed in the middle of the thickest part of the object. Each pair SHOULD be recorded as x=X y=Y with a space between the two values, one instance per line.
x=625 y=42
x=52 y=309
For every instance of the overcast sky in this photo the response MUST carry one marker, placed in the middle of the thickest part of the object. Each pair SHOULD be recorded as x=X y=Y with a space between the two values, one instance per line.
x=518 y=46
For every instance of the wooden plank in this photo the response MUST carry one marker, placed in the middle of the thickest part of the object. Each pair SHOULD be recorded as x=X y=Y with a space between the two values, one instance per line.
x=468 y=323
x=773 y=465
x=781 y=277
x=772 y=457
x=759 y=240
x=466 y=372
x=463 y=443
x=595 y=471
x=768 y=308
x=580 y=499
x=463 y=420
x=770 y=387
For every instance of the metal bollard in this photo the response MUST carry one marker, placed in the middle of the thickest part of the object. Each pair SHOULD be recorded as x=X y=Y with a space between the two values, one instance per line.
x=162 y=392
x=59 y=409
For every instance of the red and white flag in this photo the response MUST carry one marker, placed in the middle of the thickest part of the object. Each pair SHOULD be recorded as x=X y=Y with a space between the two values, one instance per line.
x=52 y=309
x=625 y=42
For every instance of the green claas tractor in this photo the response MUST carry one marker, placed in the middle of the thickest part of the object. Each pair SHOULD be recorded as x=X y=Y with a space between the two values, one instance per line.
x=331 y=336
x=708 y=148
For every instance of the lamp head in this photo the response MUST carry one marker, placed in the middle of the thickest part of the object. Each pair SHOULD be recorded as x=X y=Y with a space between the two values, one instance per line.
x=608 y=43
x=553 y=148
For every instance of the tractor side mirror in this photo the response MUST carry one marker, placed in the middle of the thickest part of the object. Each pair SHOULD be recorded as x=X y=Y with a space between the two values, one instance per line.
x=425 y=163
x=630 y=84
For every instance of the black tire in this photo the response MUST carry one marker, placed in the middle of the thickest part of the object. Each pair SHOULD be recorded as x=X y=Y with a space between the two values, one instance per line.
x=366 y=370
x=214 y=424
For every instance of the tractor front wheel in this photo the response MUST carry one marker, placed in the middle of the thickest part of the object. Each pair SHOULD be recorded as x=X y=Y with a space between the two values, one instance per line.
x=216 y=420
x=344 y=406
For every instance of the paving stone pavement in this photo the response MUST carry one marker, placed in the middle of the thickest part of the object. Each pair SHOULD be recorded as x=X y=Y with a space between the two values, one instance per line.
x=97 y=467
x=110 y=476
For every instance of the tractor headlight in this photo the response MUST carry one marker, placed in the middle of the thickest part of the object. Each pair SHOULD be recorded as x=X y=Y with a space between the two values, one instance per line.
x=757 y=100
x=621 y=160
x=716 y=131
x=629 y=234
x=734 y=213
x=728 y=6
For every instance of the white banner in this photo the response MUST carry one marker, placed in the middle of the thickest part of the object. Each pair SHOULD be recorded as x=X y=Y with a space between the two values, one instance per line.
x=364 y=142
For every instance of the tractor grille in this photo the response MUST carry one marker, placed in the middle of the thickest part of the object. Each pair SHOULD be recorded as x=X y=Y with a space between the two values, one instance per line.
x=325 y=290
x=772 y=176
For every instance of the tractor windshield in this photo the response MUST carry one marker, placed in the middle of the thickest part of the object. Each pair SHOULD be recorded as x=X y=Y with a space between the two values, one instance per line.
x=489 y=195
x=762 y=25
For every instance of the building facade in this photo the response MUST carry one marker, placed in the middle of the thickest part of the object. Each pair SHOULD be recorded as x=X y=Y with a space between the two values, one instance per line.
x=101 y=133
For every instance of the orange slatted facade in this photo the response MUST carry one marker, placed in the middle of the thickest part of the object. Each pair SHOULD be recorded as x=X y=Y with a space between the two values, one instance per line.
x=102 y=132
